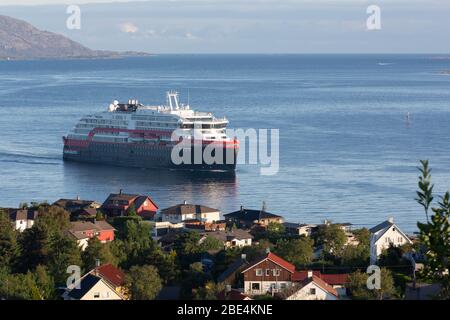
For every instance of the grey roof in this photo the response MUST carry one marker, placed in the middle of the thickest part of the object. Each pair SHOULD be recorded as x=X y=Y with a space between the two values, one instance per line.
x=78 y=228
x=120 y=196
x=23 y=214
x=185 y=208
x=86 y=284
x=384 y=225
x=251 y=215
x=229 y=235
x=232 y=268
x=295 y=225
x=70 y=204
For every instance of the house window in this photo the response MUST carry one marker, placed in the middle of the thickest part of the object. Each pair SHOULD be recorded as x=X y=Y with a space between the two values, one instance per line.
x=255 y=286
x=267 y=272
x=259 y=272
x=276 y=272
x=96 y=295
x=312 y=291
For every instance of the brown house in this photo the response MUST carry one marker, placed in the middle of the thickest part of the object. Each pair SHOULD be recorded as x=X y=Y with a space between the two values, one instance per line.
x=268 y=274
x=272 y=274
x=247 y=218
x=119 y=204
x=78 y=208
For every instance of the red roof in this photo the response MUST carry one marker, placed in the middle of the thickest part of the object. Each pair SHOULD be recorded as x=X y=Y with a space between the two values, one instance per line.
x=335 y=279
x=115 y=276
x=325 y=286
x=276 y=259
x=331 y=279
x=299 y=276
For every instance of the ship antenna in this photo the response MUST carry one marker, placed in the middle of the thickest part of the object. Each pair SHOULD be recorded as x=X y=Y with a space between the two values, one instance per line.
x=188 y=98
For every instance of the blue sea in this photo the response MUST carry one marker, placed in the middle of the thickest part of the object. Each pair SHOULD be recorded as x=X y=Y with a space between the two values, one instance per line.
x=347 y=151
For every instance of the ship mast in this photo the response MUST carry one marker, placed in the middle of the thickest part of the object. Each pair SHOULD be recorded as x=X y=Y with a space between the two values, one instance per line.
x=172 y=100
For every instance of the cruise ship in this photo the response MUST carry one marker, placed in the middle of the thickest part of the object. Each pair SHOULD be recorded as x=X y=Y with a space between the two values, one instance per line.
x=136 y=135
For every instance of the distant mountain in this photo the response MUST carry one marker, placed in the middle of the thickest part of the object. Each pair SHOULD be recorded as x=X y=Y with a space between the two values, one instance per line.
x=20 y=40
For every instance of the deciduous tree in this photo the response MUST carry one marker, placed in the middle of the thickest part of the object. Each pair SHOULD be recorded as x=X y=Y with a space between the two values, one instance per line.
x=143 y=282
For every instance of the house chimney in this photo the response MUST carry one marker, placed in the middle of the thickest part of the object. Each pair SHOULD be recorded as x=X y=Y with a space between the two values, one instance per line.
x=391 y=219
x=227 y=288
x=97 y=265
x=243 y=256
x=267 y=250
x=78 y=197
x=120 y=191
x=310 y=274
x=242 y=208
x=185 y=202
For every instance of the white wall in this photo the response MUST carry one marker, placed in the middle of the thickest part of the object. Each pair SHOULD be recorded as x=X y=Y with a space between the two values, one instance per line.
x=239 y=243
x=106 y=293
x=390 y=236
x=305 y=293
x=265 y=286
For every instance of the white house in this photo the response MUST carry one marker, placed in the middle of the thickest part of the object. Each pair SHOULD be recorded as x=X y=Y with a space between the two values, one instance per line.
x=230 y=238
x=93 y=287
x=23 y=218
x=313 y=288
x=185 y=211
x=384 y=235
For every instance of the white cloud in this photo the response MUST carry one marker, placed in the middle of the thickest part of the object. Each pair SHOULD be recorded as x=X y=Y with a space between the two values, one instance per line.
x=128 y=27
x=190 y=36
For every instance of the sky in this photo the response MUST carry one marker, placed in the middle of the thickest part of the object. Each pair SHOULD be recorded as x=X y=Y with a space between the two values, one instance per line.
x=251 y=26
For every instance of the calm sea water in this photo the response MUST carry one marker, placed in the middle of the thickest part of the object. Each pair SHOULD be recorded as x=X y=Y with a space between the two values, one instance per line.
x=347 y=152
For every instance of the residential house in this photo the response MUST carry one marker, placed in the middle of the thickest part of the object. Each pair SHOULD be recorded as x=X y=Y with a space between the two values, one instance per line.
x=119 y=204
x=248 y=217
x=232 y=274
x=299 y=229
x=230 y=238
x=384 y=235
x=269 y=274
x=337 y=281
x=313 y=288
x=272 y=274
x=78 y=208
x=105 y=282
x=185 y=212
x=22 y=218
x=205 y=226
x=82 y=231
x=161 y=228
x=114 y=276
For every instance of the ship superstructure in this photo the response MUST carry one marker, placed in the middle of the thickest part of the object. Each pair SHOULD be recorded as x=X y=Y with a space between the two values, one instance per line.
x=133 y=134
